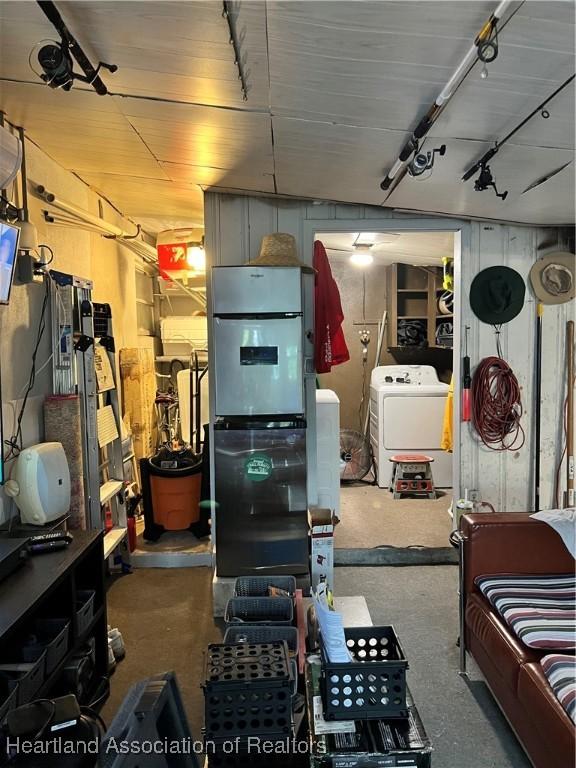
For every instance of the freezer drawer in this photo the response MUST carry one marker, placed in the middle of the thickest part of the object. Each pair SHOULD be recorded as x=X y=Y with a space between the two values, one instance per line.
x=260 y=484
x=258 y=366
x=252 y=290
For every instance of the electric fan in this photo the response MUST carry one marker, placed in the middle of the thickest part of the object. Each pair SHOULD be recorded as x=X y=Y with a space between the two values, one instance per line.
x=355 y=455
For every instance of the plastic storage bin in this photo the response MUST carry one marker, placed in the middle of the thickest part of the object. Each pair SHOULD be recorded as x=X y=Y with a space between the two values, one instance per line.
x=50 y=635
x=8 y=697
x=373 y=685
x=260 y=610
x=247 y=692
x=257 y=586
x=249 y=633
x=84 y=609
x=28 y=676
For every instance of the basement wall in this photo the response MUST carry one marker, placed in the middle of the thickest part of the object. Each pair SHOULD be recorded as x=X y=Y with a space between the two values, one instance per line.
x=111 y=267
x=235 y=224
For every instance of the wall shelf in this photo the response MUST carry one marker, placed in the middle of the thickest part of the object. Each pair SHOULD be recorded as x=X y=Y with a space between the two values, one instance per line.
x=47 y=586
x=413 y=295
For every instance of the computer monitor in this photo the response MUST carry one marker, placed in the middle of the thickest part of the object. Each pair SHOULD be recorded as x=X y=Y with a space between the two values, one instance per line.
x=8 y=250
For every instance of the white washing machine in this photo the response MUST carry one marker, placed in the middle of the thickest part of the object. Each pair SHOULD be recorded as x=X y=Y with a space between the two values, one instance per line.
x=406 y=415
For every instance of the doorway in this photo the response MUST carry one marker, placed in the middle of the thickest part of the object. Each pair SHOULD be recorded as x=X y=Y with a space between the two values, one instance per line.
x=400 y=302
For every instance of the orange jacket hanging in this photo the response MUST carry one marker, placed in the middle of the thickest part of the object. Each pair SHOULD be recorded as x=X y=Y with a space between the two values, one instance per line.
x=329 y=342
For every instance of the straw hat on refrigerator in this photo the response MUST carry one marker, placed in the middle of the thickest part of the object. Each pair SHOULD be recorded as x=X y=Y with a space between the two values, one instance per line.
x=279 y=250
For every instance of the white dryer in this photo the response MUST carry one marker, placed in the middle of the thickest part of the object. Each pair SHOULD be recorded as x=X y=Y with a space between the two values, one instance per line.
x=406 y=415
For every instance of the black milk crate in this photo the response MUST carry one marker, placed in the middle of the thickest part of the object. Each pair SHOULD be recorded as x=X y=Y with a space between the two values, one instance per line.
x=249 y=633
x=247 y=692
x=260 y=610
x=373 y=685
x=257 y=586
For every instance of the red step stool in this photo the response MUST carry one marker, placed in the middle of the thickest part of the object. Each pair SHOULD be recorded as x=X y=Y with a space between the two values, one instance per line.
x=412 y=475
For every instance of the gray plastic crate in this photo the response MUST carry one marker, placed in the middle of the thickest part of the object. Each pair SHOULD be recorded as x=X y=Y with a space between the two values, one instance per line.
x=260 y=610
x=84 y=609
x=29 y=676
x=257 y=586
x=50 y=635
x=249 y=633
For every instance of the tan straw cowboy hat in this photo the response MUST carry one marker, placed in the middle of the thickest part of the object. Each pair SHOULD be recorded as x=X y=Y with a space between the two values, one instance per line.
x=279 y=250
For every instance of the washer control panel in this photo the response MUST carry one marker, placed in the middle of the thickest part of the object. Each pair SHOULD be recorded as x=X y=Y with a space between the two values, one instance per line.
x=400 y=375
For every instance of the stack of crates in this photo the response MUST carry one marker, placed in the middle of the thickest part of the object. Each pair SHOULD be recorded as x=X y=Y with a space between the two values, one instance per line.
x=247 y=693
x=261 y=611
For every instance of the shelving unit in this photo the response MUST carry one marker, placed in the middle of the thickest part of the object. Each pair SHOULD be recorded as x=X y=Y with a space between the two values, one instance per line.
x=413 y=294
x=47 y=586
x=85 y=365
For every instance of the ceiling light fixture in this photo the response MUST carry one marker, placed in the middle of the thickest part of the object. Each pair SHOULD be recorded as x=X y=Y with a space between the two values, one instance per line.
x=196 y=257
x=55 y=58
x=398 y=170
x=361 y=257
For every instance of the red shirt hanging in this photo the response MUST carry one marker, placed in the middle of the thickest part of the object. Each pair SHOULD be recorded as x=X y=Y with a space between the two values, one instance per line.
x=329 y=342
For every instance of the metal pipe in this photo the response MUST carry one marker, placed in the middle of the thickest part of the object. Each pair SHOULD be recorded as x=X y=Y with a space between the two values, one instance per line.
x=570 y=415
x=461 y=539
x=538 y=406
x=51 y=198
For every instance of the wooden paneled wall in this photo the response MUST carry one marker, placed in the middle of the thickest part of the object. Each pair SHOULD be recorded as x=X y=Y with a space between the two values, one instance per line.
x=235 y=224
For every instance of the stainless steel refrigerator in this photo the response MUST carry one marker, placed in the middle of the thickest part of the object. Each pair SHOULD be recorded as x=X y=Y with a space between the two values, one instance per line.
x=259 y=430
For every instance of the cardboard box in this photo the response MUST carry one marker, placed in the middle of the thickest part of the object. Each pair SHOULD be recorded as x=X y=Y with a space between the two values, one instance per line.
x=321 y=546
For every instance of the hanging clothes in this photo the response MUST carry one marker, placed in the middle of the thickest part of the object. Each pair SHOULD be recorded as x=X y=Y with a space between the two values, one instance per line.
x=447 y=442
x=329 y=343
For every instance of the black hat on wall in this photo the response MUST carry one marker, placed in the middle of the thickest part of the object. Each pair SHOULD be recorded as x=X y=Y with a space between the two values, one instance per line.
x=497 y=295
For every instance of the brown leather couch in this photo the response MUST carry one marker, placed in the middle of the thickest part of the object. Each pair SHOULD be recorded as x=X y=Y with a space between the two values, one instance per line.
x=516 y=544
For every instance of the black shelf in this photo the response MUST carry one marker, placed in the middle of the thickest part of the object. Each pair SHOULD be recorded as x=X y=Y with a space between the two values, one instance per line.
x=47 y=586
x=55 y=675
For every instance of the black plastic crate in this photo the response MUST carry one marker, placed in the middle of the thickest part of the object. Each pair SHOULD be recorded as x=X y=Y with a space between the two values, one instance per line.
x=50 y=635
x=247 y=692
x=84 y=610
x=249 y=633
x=260 y=610
x=373 y=685
x=257 y=586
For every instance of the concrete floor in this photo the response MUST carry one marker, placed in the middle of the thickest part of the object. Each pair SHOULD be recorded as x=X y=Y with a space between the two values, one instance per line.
x=371 y=517
x=166 y=619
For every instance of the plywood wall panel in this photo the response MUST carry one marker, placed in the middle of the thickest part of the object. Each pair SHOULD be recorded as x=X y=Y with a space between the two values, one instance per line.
x=504 y=479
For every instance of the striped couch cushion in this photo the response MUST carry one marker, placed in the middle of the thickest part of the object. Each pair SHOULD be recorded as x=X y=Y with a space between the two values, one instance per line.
x=540 y=610
x=561 y=673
